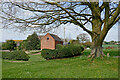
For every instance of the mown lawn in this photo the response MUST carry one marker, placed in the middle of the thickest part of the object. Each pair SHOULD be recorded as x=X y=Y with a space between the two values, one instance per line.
x=109 y=45
x=77 y=67
x=112 y=52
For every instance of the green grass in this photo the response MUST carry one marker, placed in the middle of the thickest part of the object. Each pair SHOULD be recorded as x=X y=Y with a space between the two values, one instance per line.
x=0 y=65
x=112 y=52
x=111 y=45
x=76 y=67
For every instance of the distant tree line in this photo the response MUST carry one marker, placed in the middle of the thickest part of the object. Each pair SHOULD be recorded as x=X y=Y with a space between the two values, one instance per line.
x=84 y=40
x=31 y=43
x=111 y=42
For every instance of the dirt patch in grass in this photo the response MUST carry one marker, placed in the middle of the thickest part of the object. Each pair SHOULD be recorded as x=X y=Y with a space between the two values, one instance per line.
x=37 y=53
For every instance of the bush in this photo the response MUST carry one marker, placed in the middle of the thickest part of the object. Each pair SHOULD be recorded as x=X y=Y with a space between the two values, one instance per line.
x=5 y=55
x=65 y=52
x=49 y=54
x=59 y=46
x=16 y=55
x=75 y=49
x=9 y=45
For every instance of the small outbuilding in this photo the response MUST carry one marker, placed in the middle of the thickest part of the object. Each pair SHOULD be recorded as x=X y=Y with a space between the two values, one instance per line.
x=49 y=41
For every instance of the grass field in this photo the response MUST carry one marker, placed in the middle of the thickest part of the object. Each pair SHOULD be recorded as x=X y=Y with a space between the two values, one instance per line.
x=76 y=67
x=112 y=52
x=109 y=45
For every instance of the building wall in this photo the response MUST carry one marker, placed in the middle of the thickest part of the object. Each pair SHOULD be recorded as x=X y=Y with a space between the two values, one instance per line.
x=47 y=44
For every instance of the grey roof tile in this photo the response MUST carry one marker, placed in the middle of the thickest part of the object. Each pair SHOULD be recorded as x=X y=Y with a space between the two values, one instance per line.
x=56 y=37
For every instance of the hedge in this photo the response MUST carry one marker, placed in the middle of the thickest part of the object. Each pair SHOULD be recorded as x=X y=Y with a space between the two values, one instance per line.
x=59 y=46
x=16 y=55
x=68 y=51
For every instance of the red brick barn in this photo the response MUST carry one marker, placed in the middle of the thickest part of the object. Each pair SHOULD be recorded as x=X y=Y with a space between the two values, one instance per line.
x=49 y=41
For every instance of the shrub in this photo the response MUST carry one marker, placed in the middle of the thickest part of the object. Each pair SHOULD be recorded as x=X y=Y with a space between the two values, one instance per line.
x=16 y=55
x=59 y=46
x=75 y=49
x=5 y=55
x=65 y=52
x=49 y=54
x=68 y=51
x=9 y=45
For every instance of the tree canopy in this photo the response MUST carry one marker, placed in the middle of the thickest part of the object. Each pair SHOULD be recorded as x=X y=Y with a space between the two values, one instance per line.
x=31 y=43
x=45 y=15
x=9 y=45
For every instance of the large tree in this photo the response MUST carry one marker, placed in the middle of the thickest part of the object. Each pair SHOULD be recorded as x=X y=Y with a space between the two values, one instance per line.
x=44 y=16
x=31 y=43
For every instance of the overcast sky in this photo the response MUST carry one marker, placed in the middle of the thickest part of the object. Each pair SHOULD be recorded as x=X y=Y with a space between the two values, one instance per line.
x=71 y=32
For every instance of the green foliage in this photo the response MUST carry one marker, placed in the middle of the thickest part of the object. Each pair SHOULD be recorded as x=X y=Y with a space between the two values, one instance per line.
x=49 y=54
x=16 y=55
x=74 y=41
x=110 y=42
x=110 y=45
x=31 y=43
x=68 y=51
x=105 y=42
x=65 y=52
x=87 y=44
x=23 y=45
x=75 y=49
x=9 y=45
x=59 y=46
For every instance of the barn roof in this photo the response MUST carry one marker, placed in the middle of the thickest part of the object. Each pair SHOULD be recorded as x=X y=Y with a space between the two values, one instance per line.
x=56 y=37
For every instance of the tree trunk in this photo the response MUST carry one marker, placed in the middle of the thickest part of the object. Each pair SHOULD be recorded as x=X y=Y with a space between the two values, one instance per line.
x=97 y=50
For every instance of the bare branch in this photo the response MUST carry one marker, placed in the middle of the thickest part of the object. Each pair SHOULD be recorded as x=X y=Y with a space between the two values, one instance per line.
x=102 y=7
x=114 y=18
x=75 y=20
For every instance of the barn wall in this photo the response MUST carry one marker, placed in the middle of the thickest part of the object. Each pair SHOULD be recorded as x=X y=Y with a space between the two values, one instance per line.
x=47 y=44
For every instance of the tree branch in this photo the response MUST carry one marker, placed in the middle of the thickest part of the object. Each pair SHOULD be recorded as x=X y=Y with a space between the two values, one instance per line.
x=114 y=18
x=32 y=9
x=75 y=21
x=102 y=7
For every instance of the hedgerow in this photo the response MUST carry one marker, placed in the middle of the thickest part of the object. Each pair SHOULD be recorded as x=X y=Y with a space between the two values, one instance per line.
x=65 y=52
x=16 y=55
